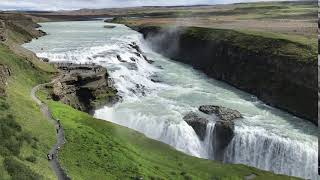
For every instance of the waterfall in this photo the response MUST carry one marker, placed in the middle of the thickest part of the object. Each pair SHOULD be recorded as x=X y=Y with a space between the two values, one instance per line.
x=266 y=138
x=272 y=153
x=208 y=140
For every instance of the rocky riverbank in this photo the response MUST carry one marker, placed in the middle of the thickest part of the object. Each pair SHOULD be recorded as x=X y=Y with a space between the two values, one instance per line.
x=84 y=87
x=12 y=25
x=280 y=72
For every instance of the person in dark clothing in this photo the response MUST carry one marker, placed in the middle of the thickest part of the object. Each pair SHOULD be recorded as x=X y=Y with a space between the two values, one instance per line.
x=49 y=157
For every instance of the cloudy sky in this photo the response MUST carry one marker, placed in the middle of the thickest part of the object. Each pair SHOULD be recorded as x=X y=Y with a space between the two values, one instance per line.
x=78 y=4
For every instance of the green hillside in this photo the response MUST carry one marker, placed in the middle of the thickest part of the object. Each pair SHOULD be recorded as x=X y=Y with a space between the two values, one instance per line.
x=26 y=136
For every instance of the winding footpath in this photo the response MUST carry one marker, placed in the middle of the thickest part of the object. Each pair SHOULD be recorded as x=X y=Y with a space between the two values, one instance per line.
x=61 y=174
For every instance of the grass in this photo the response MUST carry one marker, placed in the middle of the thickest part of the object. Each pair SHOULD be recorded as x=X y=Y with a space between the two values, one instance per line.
x=98 y=149
x=287 y=47
x=310 y=42
x=258 y=42
x=294 y=21
x=25 y=119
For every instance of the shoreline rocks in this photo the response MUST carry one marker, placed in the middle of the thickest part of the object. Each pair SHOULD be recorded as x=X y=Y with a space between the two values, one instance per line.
x=84 y=87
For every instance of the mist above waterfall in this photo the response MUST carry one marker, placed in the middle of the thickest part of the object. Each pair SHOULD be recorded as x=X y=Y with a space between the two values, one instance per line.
x=166 y=41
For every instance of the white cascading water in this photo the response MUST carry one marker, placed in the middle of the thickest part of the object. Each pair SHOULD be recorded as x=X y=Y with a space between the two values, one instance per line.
x=157 y=96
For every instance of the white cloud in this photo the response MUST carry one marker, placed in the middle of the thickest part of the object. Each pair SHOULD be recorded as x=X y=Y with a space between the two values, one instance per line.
x=78 y=4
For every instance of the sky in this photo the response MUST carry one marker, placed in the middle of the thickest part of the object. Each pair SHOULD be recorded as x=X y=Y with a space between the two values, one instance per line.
x=96 y=4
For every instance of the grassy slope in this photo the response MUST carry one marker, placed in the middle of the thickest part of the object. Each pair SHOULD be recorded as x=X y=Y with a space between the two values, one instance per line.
x=26 y=112
x=272 y=44
x=99 y=149
x=116 y=152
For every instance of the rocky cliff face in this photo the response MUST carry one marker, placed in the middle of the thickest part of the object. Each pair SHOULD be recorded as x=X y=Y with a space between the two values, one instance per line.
x=5 y=72
x=280 y=72
x=84 y=87
x=19 y=26
x=2 y=31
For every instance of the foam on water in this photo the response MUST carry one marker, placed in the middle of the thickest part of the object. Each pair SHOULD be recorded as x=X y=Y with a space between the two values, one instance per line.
x=266 y=138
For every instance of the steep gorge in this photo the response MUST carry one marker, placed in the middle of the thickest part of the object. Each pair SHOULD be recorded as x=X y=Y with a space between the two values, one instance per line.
x=279 y=72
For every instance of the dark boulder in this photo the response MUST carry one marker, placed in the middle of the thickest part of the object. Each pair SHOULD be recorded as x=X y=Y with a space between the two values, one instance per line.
x=109 y=26
x=137 y=54
x=131 y=66
x=155 y=78
x=222 y=113
x=45 y=59
x=222 y=135
x=198 y=123
x=224 y=128
x=148 y=60
x=136 y=47
x=133 y=59
x=120 y=59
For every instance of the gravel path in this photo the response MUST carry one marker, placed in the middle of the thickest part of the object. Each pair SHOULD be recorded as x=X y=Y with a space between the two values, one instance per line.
x=61 y=174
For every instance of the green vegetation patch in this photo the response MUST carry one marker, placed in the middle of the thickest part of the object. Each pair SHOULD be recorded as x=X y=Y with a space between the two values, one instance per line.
x=18 y=170
x=98 y=149
x=270 y=44
x=25 y=134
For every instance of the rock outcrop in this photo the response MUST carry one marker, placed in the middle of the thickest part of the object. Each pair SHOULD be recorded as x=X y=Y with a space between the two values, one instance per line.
x=84 y=87
x=224 y=114
x=223 y=131
x=222 y=135
x=21 y=25
x=2 y=31
x=198 y=123
x=224 y=128
x=5 y=72
x=280 y=72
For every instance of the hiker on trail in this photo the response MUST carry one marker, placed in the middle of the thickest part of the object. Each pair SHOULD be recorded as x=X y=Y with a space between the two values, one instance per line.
x=49 y=157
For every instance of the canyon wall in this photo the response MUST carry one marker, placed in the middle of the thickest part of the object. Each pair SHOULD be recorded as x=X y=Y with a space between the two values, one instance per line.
x=280 y=72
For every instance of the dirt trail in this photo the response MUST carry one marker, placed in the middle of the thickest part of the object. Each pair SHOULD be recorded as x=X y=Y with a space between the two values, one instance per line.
x=61 y=174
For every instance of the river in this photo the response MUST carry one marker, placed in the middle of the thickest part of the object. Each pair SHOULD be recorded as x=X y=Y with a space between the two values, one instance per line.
x=157 y=96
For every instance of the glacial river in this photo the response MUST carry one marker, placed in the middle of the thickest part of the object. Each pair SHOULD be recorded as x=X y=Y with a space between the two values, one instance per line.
x=155 y=97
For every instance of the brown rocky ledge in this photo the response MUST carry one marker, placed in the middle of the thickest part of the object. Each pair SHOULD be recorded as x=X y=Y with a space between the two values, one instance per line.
x=84 y=87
